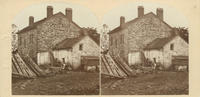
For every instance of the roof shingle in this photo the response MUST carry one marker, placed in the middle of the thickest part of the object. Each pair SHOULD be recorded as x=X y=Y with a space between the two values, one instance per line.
x=41 y=21
x=158 y=43
x=70 y=42
x=135 y=20
x=67 y=43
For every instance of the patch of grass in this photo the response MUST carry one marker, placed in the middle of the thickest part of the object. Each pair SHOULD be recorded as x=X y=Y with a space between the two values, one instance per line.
x=68 y=83
x=157 y=83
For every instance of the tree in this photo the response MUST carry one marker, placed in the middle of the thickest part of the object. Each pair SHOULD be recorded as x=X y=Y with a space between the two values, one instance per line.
x=92 y=32
x=14 y=37
x=183 y=32
x=104 y=37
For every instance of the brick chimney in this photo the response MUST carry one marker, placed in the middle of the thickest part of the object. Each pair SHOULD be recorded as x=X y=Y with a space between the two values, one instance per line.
x=159 y=13
x=68 y=13
x=140 y=11
x=122 y=21
x=49 y=11
x=31 y=20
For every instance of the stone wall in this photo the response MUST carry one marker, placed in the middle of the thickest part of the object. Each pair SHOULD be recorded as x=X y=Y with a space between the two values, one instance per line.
x=119 y=45
x=137 y=34
x=27 y=43
x=145 y=30
x=55 y=30
x=46 y=35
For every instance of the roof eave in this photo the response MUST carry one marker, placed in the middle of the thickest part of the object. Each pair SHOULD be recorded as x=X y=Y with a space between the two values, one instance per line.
x=153 y=48
x=35 y=24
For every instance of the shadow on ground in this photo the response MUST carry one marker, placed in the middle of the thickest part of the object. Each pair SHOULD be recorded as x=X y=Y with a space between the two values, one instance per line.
x=156 y=83
x=68 y=83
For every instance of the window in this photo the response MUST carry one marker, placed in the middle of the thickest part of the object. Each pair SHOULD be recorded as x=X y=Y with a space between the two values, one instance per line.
x=63 y=60
x=116 y=43
x=122 y=38
x=24 y=42
x=81 y=47
x=20 y=40
x=31 y=38
x=172 y=46
x=154 y=60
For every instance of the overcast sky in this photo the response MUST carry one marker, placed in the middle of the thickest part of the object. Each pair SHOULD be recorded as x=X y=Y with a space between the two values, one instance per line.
x=85 y=18
x=81 y=15
x=171 y=16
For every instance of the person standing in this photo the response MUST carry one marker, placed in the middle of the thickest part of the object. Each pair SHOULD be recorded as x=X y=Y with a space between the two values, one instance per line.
x=63 y=64
x=154 y=63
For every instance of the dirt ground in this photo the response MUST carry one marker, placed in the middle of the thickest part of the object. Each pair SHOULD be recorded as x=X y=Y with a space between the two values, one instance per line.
x=157 y=83
x=68 y=83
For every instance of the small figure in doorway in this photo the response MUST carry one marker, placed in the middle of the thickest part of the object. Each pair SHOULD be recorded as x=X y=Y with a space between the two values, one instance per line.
x=63 y=63
x=154 y=63
x=68 y=66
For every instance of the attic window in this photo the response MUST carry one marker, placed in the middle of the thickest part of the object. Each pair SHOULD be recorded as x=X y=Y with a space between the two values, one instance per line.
x=111 y=41
x=24 y=42
x=172 y=46
x=122 y=38
x=81 y=47
x=20 y=40
x=116 y=43
x=31 y=38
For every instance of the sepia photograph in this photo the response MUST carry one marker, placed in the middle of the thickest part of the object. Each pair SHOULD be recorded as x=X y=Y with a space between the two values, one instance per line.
x=54 y=55
x=99 y=48
x=144 y=55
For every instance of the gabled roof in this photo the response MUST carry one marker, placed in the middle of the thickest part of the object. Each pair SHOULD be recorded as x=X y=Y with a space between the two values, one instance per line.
x=70 y=42
x=159 y=43
x=41 y=21
x=135 y=20
x=94 y=35
x=96 y=39
x=67 y=43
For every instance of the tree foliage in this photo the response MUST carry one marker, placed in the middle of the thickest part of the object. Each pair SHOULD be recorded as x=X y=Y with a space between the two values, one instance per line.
x=183 y=32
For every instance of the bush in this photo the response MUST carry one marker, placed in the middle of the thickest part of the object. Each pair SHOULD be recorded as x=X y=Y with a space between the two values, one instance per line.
x=148 y=63
x=160 y=66
x=57 y=63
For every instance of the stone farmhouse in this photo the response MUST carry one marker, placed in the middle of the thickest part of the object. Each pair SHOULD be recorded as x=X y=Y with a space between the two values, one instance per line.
x=162 y=50
x=43 y=35
x=130 y=38
x=72 y=50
